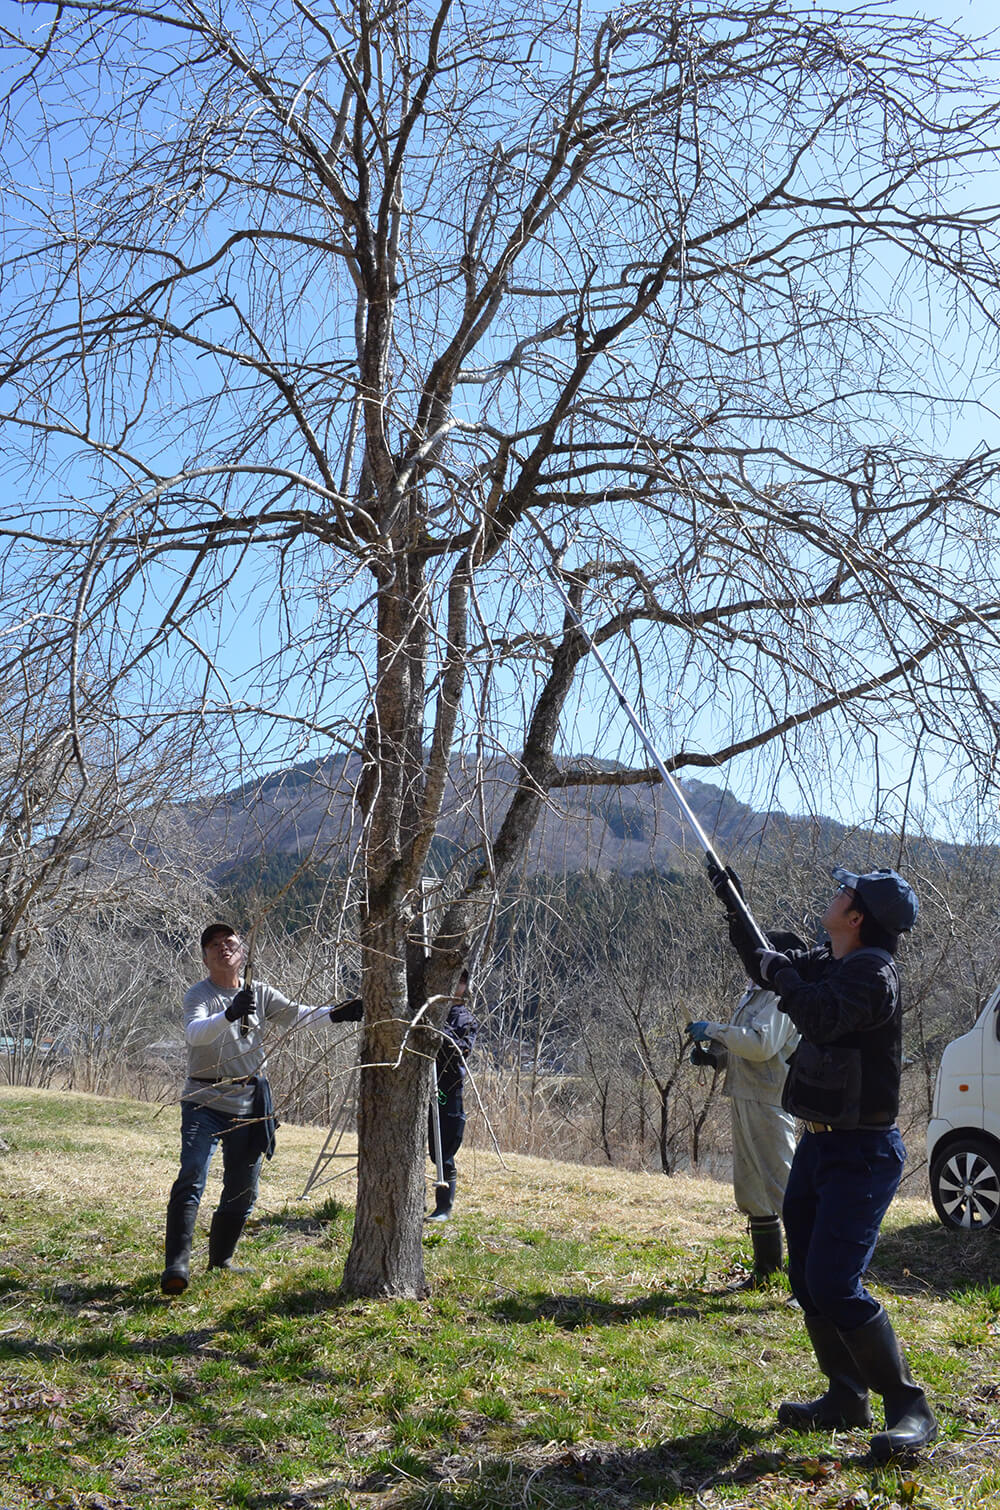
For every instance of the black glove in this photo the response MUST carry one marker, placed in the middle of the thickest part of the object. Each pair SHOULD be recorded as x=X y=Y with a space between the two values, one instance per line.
x=348 y=1011
x=746 y=943
x=726 y=884
x=769 y=962
x=242 y=1004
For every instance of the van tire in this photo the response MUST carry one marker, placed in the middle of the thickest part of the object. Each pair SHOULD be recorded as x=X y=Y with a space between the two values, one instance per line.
x=965 y=1184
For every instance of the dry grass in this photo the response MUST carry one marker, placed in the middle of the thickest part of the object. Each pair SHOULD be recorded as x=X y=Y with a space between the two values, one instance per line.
x=570 y=1199
x=580 y=1344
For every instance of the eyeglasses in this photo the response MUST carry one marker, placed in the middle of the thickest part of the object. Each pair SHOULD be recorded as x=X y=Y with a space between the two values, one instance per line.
x=231 y=945
x=848 y=890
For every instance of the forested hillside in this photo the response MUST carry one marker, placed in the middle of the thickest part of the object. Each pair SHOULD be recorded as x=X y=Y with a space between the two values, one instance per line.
x=309 y=811
x=583 y=979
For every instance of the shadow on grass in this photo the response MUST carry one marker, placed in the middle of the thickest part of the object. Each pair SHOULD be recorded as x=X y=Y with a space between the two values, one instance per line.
x=141 y=1294
x=317 y=1221
x=929 y=1258
x=675 y=1470
x=284 y=1221
x=571 y=1311
x=311 y=1300
x=197 y=1341
x=248 y=1316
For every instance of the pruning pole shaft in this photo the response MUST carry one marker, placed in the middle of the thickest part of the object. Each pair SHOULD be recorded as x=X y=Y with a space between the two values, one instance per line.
x=436 y=1127
x=248 y=976
x=668 y=779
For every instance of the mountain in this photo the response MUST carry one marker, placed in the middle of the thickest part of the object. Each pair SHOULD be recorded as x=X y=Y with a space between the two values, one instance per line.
x=308 y=811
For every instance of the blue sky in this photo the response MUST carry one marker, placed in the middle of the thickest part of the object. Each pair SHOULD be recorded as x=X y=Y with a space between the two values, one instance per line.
x=871 y=779
x=876 y=780
x=865 y=782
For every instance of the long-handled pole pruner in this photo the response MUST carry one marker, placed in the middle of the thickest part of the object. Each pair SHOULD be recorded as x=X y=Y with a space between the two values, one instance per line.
x=248 y=976
x=734 y=902
x=441 y=1185
x=419 y=941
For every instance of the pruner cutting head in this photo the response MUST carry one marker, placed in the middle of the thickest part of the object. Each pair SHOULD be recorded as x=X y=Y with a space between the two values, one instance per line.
x=248 y=974
x=249 y=957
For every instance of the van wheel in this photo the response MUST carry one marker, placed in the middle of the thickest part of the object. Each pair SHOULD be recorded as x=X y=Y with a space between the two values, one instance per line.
x=965 y=1184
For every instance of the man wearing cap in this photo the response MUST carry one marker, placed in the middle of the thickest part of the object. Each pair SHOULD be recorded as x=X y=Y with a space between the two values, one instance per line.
x=843 y=1083
x=226 y=1098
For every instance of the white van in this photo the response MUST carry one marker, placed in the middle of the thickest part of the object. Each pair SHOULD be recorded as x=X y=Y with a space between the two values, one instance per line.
x=963 y=1137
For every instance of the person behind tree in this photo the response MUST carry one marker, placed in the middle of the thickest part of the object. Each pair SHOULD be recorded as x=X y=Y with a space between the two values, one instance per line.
x=758 y=1040
x=226 y=1099
x=843 y=1083
x=460 y=1031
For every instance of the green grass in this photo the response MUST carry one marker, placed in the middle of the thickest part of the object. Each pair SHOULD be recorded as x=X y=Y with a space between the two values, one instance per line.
x=580 y=1345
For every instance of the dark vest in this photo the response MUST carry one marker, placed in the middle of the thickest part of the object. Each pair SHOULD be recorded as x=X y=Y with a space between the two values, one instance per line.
x=853 y=1081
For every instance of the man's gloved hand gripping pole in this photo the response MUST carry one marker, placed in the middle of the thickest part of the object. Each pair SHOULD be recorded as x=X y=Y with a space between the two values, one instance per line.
x=244 y=1002
x=242 y=1007
x=743 y=928
x=755 y=949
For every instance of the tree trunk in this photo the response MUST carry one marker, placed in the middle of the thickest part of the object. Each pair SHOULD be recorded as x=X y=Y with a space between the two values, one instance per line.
x=386 y=1254
x=665 y=1161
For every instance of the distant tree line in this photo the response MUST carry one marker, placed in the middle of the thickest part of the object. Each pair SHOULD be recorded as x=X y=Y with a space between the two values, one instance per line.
x=583 y=989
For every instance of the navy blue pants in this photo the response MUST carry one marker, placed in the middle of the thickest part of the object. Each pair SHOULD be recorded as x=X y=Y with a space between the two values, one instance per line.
x=451 y=1110
x=201 y=1129
x=838 y=1191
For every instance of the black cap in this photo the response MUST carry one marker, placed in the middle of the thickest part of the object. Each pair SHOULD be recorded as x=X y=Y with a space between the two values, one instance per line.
x=884 y=895
x=216 y=931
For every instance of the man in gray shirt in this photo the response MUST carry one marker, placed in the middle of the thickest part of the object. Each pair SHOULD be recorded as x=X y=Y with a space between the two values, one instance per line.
x=226 y=1098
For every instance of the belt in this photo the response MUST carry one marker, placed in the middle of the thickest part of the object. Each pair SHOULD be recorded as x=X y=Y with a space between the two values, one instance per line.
x=822 y=1127
x=225 y=1080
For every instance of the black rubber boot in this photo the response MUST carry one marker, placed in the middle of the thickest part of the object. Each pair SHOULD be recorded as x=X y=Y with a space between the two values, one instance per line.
x=845 y=1402
x=180 y=1234
x=765 y=1234
x=223 y=1236
x=880 y=1362
x=444 y=1201
x=768 y=1252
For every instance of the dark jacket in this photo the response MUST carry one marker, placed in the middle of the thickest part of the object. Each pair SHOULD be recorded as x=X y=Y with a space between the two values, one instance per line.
x=460 y=1029
x=846 y=1070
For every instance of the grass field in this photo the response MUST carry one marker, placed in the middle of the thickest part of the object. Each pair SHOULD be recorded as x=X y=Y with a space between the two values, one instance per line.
x=580 y=1346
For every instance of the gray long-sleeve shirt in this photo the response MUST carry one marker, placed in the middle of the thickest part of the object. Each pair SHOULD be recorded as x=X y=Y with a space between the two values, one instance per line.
x=760 y=1040
x=217 y=1052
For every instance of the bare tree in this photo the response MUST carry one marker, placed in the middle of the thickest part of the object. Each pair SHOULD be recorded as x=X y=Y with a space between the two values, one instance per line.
x=81 y=856
x=314 y=313
x=656 y=963
x=526 y=1044
x=102 y=898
